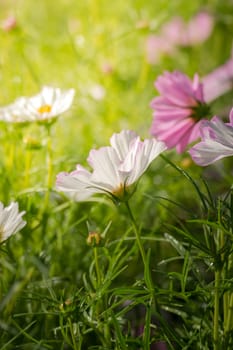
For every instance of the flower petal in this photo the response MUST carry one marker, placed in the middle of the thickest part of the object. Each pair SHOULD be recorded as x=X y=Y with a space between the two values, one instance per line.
x=105 y=162
x=77 y=184
x=10 y=220
x=217 y=142
x=140 y=157
x=121 y=142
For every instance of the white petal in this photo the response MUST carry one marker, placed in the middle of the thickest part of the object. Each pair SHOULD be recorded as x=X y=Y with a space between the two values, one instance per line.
x=140 y=157
x=209 y=151
x=121 y=142
x=223 y=133
x=10 y=220
x=76 y=185
x=105 y=163
x=217 y=142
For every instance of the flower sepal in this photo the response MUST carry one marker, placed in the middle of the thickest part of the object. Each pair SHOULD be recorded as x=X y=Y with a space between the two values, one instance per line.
x=123 y=194
x=95 y=238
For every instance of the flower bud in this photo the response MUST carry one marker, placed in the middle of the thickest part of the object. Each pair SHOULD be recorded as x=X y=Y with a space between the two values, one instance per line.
x=93 y=238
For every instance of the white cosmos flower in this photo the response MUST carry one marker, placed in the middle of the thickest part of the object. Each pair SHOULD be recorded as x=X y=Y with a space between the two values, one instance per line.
x=10 y=220
x=216 y=141
x=115 y=167
x=48 y=104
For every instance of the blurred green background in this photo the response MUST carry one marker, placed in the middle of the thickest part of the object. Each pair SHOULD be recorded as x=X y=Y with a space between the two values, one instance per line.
x=98 y=48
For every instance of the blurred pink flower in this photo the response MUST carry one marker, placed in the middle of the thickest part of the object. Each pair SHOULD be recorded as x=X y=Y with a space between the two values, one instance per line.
x=9 y=23
x=219 y=81
x=216 y=143
x=107 y=68
x=176 y=33
x=191 y=33
x=156 y=47
x=199 y=28
x=115 y=168
x=173 y=31
x=178 y=111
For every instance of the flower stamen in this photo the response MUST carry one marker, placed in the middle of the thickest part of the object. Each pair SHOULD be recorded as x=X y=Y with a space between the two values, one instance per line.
x=44 y=109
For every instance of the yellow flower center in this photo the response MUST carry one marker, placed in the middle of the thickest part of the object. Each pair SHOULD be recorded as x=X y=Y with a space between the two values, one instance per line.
x=120 y=191
x=44 y=109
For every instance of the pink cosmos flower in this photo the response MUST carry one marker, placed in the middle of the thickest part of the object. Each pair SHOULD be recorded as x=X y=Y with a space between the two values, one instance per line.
x=177 y=112
x=219 y=81
x=216 y=143
x=115 y=168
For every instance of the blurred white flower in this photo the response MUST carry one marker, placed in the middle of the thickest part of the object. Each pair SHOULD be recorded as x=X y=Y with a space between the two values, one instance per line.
x=48 y=104
x=98 y=92
x=80 y=41
x=115 y=168
x=10 y=220
x=13 y=114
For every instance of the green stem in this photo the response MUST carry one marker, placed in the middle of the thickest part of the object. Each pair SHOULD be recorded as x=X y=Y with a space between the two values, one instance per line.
x=27 y=168
x=229 y=322
x=225 y=309
x=49 y=164
x=101 y=305
x=147 y=273
x=148 y=280
x=147 y=328
x=137 y=234
x=11 y=156
x=72 y=335
x=97 y=267
x=216 y=310
x=223 y=276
